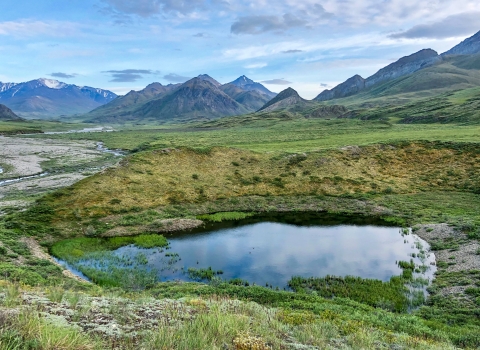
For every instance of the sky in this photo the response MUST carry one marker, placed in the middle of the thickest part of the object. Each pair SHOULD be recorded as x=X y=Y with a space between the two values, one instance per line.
x=309 y=45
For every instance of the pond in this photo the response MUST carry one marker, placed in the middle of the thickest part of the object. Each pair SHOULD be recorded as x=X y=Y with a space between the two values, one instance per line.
x=269 y=250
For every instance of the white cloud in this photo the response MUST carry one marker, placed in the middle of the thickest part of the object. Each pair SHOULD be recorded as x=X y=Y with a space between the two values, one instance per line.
x=275 y=48
x=256 y=65
x=29 y=28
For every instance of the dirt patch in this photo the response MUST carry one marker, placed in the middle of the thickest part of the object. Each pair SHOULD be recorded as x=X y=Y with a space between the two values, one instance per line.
x=462 y=258
x=38 y=252
x=24 y=155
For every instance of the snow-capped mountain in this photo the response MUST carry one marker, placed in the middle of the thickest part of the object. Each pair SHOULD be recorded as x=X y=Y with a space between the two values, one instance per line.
x=51 y=98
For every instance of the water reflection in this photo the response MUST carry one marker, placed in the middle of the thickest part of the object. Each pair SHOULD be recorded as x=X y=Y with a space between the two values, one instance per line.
x=272 y=252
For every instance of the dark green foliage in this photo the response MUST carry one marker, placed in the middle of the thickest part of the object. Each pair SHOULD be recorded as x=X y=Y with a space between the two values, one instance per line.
x=390 y=295
x=11 y=272
x=203 y=274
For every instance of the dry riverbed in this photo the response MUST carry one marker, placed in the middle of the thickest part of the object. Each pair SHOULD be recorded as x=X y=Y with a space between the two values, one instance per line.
x=37 y=166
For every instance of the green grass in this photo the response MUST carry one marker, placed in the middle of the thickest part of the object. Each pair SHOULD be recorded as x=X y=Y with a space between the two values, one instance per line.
x=38 y=126
x=78 y=247
x=300 y=135
x=224 y=216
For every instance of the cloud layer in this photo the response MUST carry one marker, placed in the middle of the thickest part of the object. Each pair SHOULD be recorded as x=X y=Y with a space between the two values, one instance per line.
x=277 y=82
x=128 y=75
x=63 y=75
x=451 y=26
x=175 y=78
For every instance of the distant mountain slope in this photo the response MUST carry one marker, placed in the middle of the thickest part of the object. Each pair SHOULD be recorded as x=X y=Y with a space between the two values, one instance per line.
x=208 y=78
x=6 y=114
x=288 y=99
x=248 y=93
x=349 y=87
x=199 y=98
x=466 y=55
x=247 y=84
x=124 y=105
x=51 y=98
x=469 y=46
x=252 y=100
x=196 y=98
x=404 y=66
x=453 y=73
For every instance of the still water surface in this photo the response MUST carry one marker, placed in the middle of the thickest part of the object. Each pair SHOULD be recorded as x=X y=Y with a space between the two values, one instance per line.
x=271 y=252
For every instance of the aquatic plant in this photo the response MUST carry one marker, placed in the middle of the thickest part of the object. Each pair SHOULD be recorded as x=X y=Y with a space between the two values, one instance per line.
x=202 y=274
x=391 y=295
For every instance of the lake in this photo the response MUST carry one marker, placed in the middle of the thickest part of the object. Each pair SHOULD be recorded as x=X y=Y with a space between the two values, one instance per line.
x=270 y=250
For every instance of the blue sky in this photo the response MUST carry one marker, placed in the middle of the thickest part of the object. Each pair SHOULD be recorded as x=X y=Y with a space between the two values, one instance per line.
x=309 y=45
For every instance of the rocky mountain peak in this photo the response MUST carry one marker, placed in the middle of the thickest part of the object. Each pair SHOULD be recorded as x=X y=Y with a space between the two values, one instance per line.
x=248 y=84
x=242 y=81
x=208 y=78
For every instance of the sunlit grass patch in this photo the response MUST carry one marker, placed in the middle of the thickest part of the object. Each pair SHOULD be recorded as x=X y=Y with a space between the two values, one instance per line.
x=226 y=216
x=76 y=248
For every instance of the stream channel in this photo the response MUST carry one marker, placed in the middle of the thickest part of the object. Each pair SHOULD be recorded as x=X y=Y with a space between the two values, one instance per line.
x=269 y=250
x=100 y=147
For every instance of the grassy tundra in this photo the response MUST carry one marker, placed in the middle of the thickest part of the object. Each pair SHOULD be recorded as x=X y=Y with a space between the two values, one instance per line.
x=423 y=175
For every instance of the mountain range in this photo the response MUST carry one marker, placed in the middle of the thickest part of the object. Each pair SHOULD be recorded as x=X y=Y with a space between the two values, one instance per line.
x=443 y=72
x=199 y=98
x=422 y=74
x=50 y=98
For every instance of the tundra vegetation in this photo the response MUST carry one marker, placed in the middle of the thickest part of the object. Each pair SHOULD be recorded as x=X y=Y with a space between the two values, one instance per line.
x=377 y=164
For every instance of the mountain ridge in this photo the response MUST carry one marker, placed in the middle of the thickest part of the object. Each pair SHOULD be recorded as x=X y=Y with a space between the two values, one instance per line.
x=49 y=98
x=198 y=98
x=468 y=46
x=403 y=66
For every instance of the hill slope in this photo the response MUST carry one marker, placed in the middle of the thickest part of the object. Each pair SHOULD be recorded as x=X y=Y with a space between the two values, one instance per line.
x=288 y=99
x=7 y=114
